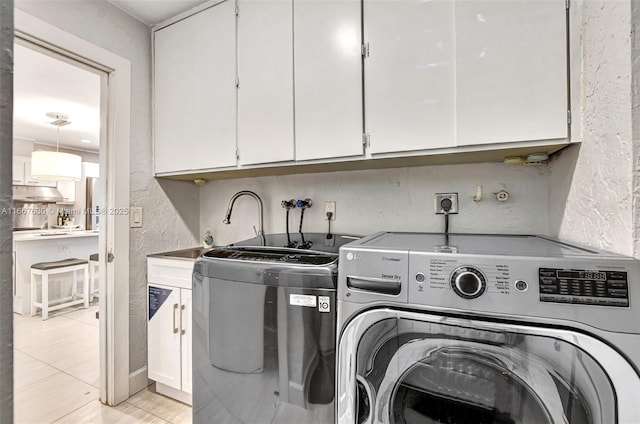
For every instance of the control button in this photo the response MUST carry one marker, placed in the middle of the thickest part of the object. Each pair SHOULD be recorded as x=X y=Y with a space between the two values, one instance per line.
x=521 y=285
x=468 y=282
x=420 y=277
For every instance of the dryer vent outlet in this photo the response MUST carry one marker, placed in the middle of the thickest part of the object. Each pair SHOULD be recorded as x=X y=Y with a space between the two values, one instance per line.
x=439 y=197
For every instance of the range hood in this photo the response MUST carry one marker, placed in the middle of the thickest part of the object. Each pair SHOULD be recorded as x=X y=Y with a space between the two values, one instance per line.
x=36 y=194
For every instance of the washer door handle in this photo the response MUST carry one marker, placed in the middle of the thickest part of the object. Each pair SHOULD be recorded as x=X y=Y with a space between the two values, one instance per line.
x=377 y=285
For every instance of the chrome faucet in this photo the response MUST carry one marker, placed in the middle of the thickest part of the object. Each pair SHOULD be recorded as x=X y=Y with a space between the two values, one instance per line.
x=227 y=219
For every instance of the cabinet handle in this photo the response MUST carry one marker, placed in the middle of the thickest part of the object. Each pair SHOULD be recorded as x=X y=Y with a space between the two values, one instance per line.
x=175 y=308
x=182 y=331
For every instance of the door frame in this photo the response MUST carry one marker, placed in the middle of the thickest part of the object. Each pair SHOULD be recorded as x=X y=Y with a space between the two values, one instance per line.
x=114 y=231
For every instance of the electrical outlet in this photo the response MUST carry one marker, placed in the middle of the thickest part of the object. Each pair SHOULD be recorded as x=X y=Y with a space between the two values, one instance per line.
x=439 y=197
x=330 y=206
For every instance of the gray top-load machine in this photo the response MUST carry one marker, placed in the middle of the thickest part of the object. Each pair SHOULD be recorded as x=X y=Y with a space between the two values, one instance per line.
x=264 y=336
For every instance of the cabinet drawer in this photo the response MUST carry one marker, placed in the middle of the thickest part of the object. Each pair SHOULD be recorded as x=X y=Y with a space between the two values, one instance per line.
x=172 y=272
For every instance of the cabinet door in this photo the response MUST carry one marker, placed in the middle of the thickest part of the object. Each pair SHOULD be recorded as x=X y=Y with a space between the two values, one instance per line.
x=328 y=78
x=195 y=93
x=68 y=191
x=409 y=74
x=18 y=170
x=163 y=335
x=187 y=339
x=511 y=70
x=265 y=74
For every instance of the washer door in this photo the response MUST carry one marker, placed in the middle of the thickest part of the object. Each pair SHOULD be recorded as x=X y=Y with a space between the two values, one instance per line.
x=402 y=367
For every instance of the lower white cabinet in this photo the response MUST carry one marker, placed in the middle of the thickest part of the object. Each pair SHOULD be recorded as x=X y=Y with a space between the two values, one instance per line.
x=169 y=326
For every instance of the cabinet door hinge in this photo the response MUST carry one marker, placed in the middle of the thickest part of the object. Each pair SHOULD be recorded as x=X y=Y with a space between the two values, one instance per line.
x=238 y=10
x=366 y=140
x=237 y=154
x=237 y=83
x=567 y=4
x=365 y=50
x=569 y=117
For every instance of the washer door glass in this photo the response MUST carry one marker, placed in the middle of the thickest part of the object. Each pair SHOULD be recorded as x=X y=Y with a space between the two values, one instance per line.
x=423 y=372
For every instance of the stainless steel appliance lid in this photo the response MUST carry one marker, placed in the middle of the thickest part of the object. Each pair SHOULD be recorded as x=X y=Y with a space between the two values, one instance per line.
x=480 y=244
x=272 y=254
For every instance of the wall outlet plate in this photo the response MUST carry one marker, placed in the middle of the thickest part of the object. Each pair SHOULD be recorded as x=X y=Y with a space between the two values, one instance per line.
x=330 y=206
x=439 y=197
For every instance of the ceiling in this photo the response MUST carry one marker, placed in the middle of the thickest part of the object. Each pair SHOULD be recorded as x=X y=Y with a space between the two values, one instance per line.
x=152 y=12
x=43 y=84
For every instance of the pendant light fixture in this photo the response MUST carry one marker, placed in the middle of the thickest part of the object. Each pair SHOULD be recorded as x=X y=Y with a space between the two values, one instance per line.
x=56 y=166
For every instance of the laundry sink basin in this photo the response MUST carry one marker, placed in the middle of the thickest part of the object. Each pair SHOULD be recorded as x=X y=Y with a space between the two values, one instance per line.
x=318 y=241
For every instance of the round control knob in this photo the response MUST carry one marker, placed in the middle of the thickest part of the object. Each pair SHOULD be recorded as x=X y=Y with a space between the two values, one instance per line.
x=468 y=282
x=420 y=277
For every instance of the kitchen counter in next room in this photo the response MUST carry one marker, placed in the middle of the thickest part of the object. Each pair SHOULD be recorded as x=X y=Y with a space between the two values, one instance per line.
x=51 y=235
x=30 y=247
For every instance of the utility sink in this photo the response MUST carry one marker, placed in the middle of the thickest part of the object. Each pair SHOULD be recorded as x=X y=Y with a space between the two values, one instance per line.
x=319 y=241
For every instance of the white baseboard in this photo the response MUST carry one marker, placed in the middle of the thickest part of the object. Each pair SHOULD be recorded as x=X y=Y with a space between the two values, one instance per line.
x=183 y=397
x=138 y=380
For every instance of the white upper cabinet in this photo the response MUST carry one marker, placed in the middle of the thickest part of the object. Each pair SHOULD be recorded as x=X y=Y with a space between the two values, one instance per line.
x=22 y=173
x=18 y=170
x=195 y=92
x=448 y=73
x=265 y=76
x=328 y=78
x=511 y=70
x=409 y=74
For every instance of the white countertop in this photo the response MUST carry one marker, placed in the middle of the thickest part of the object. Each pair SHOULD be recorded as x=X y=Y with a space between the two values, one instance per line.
x=39 y=235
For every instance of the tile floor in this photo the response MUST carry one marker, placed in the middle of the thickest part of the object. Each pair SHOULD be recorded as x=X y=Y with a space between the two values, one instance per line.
x=57 y=376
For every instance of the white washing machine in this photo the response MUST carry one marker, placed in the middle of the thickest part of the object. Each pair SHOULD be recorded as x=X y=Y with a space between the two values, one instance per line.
x=486 y=329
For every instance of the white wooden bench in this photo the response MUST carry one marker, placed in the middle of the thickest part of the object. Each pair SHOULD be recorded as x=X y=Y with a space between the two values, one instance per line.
x=46 y=269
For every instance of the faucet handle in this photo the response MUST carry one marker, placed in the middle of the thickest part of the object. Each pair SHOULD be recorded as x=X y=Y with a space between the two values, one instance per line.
x=304 y=204
x=288 y=204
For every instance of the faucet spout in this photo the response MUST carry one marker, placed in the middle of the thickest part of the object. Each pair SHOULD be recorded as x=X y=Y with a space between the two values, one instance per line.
x=258 y=200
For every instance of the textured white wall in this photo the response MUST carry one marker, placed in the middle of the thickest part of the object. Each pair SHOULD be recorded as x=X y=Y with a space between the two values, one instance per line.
x=398 y=199
x=170 y=219
x=590 y=194
x=635 y=112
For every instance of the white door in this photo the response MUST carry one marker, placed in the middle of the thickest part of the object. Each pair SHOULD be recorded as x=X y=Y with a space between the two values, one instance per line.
x=328 y=79
x=265 y=76
x=163 y=335
x=187 y=338
x=195 y=93
x=511 y=71
x=409 y=74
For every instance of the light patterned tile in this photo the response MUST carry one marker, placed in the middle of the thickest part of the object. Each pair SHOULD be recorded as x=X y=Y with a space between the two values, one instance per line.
x=185 y=417
x=97 y=413
x=162 y=406
x=67 y=355
x=86 y=316
x=52 y=398
x=27 y=370
x=88 y=372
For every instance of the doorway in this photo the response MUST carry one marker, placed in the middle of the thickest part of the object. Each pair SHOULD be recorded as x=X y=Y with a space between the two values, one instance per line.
x=57 y=109
x=113 y=244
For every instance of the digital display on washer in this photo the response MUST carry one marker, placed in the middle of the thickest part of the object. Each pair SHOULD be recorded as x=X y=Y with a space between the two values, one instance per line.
x=583 y=275
x=584 y=287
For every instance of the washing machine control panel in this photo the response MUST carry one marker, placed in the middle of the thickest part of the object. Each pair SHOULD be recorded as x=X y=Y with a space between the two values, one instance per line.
x=468 y=282
x=583 y=286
